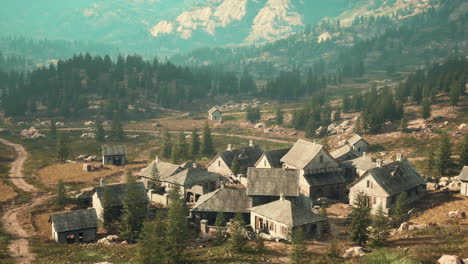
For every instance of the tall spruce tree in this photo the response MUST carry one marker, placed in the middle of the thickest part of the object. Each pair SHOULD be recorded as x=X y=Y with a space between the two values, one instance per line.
x=177 y=229
x=110 y=213
x=298 y=248
x=404 y=123
x=117 y=128
x=207 y=143
x=464 y=151
x=279 y=116
x=454 y=94
x=220 y=234
x=61 y=199
x=134 y=212
x=152 y=242
x=400 y=211
x=444 y=152
x=53 y=129
x=63 y=151
x=380 y=228
x=194 y=144
x=425 y=110
x=166 y=145
x=360 y=219
x=430 y=162
x=238 y=240
x=100 y=133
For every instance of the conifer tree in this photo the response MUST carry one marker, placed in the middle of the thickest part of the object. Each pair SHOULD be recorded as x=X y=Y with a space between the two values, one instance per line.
x=117 y=128
x=207 y=144
x=425 y=110
x=400 y=211
x=238 y=240
x=454 y=94
x=152 y=242
x=464 y=151
x=166 y=145
x=430 y=162
x=360 y=219
x=134 y=212
x=380 y=228
x=444 y=153
x=194 y=144
x=183 y=146
x=358 y=125
x=110 y=213
x=175 y=153
x=235 y=166
x=279 y=118
x=220 y=230
x=404 y=123
x=298 y=248
x=310 y=127
x=53 y=129
x=61 y=198
x=100 y=133
x=154 y=183
x=177 y=229
x=63 y=151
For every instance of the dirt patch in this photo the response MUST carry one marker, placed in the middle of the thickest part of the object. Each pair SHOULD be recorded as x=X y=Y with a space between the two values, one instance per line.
x=74 y=173
x=41 y=223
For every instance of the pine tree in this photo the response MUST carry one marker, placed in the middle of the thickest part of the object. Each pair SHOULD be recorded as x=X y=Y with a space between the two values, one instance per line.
x=63 y=151
x=183 y=146
x=152 y=245
x=61 y=198
x=100 y=133
x=380 y=228
x=464 y=152
x=454 y=94
x=177 y=229
x=166 y=145
x=235 y=166
x=175 y=153
x=194 y=144
x=430 y=162
x=110 y=213
x=400 y=211
x=444 y=153
x=207 y=144
x=117 y=128
x=298 y=248
x=358 y=125
x=134 y=212
x=53 y=129
x=310 y=127
x=154 y=183
x=426 y=110
x=279 y=118
x=220 y=230
x=238 y=240
x=360 y=219
x=404 y=123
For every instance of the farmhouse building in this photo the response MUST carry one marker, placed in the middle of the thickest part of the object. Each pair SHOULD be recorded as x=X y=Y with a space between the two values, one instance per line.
x=114 y=155
x=344 y=153
x=214 y=114
x=280 y=218
x=164 y=170
x=225 y=162
x=385 y=183
x=358 y=143
x=116 y=193
x=355 y=168
x=267 y=185
x=271 y=159
x=74 y=227
x=464 y=181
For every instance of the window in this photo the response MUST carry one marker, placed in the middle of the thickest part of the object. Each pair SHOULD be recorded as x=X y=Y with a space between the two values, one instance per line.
x=219 y=163
x=264 y=163
x=375 y=200
x=369 y=184
x=359 y=149
x=321 y=159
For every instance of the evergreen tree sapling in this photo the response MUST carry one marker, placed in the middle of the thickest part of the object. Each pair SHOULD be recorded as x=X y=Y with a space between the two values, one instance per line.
x=152 y=241
x=63 y=151
x=194 y=144
x=360 y=219
x=207 y=144
x=177 y=228
x=444 y=152
x=61 y=198
x=400 y=211
x=298 y=248
x=238 y=240
x=380 y=228
x=134 y=212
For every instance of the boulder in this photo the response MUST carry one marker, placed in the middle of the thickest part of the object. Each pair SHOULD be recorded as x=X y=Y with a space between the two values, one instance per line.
x=260 y=125
x=103 y=241
x=89 y=123
x=449 y=259
x=267 y=130
x=461 y=127
x=443 y=183
x=454 y=186
x=446 y=179
x=112 y=238
x=457 y=214
x=432 y=186
x=354 y=252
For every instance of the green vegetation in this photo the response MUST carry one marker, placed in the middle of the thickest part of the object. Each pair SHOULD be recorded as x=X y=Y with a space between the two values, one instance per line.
x=238 y=241
x=298 y=249
x=444 y=153
x=220 y=234
x=207 y=148
x=4 y=241
x=133 y=213
x=253 y=114
x=360 y=219
x=177 y=233
x=61 y=198
x=385 y=256
x=152 y=244
x=380 y=228
x=63 y=150
x=400 y=211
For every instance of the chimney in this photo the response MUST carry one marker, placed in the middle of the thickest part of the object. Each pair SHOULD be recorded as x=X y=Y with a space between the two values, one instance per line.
x=194 y=165
x=379 y=163
x=101 y=182
x=399 y=157
x=364 y=154
x=157 y=159
x=315 y=142
x=229 y=147
x=282 y=197
x=251 y=143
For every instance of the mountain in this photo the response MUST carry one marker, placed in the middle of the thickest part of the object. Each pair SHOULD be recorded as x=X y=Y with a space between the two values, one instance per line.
x=165 y=27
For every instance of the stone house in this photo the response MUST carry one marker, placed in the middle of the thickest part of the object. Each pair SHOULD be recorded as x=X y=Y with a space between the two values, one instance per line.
x=117 y=194
x=281 y=217
x=385 y=183
x=194 y=182
x=246 y=157
x=74 y=227
x=464 y=181
x=114 y=155
x=214 y=114
x=358 y=143
x=319 y=174
x=226 y=200
x=271 y=159
x=344 y=153
x=165 y=170
x=355 y=168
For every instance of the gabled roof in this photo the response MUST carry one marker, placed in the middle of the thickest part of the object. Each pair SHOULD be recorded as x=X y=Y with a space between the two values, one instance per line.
x=344 y=150
x=464 y=174
x=117 y=193
x=165 y=169
x=395 y=177
x=193 y=176
x=226 y=200
x=274 y=157
x=213 y=109
x=287 y=213
x=362 y=163
x=114 y=150
x=326 y=178
x=76 y=220
x=355 y=139
x=301 y=154
x=272 y=182
x=247 y=156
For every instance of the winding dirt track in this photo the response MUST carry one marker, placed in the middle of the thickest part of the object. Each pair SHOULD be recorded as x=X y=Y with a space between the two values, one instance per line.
x=19 y=246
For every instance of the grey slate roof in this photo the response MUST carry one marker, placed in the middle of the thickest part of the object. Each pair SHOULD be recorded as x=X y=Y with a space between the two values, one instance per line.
x=272 y=182
x=362 y=163
x=396 y=177
x=287 y=212
x=274 y=157
x=226 y=200
x=114 y=150
x=327 y=178
x=213 y=109
x=76 y=220
x=344 y=150
x=118 y=193
x=355 y=139
x=165 y=169
x=247 y=156
x=464 y=174
x=193 y=176
x=301 y=153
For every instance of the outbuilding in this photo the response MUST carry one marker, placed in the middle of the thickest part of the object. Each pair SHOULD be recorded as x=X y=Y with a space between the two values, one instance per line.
x=464 y=181
x=214 y=114
x=74 y=227
x=114 y=155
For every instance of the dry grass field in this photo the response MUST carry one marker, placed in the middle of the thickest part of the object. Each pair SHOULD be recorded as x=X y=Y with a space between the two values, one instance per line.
x=74 y=173
x=437 y=205
x=6 y=192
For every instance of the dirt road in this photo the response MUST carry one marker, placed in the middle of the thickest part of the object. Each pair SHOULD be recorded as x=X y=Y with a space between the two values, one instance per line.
x=19 y=246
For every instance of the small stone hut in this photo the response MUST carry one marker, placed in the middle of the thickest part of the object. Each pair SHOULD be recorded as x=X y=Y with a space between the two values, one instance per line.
x=74 y=227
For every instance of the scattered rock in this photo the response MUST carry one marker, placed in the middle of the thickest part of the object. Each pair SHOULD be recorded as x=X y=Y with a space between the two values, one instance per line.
x=31 y=133
x=457 y=214
x=112 y=238
x=432 y=186
x=89 y=123
x=260 y=125
x=59 y=124
x=88 y=135
x=449 y=259
x=461 y=127
x=454 y=186
x=354 y=252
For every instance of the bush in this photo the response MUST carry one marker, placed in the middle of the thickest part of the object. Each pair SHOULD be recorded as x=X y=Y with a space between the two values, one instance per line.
x=387 y=257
